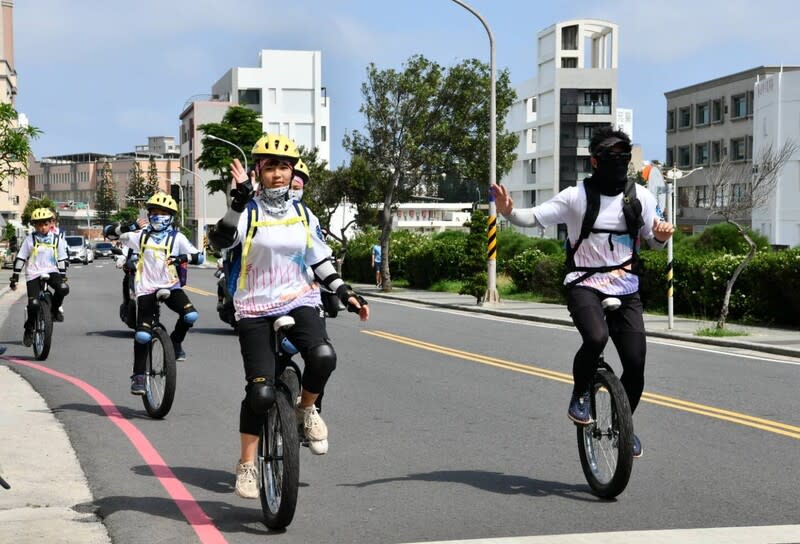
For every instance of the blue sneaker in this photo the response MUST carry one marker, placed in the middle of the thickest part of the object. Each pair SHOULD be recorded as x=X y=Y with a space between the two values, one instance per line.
x=580 y=410
x=638 y=450
x=138 y=384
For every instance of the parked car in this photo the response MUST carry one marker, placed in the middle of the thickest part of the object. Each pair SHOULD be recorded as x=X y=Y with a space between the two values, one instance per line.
x=103 y=249
x=79 y=249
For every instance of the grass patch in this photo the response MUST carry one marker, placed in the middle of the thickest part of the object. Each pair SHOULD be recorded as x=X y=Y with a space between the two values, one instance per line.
x=715 y=332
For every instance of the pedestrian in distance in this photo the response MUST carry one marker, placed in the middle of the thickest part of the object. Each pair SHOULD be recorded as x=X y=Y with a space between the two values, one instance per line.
x=606 y=215
x=278 y=254
x=376 y=264
x=43 y=252
x=162 y=250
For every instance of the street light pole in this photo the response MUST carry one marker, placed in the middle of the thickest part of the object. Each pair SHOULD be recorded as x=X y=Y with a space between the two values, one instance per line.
x=673 y=175
x=491 y=295
x=212 y=137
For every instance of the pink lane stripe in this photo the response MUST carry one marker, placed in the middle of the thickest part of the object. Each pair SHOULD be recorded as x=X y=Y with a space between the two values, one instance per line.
x=206 y=531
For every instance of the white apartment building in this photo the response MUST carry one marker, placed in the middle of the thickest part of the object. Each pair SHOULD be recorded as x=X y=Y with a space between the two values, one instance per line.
x=575 y=91
x=775 y=122
x=286 y=89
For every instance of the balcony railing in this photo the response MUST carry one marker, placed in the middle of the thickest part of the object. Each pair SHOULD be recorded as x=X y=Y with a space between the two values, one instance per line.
x=595 y=109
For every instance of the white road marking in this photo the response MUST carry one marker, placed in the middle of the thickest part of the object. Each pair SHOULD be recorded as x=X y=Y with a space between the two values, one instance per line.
x=774 y=534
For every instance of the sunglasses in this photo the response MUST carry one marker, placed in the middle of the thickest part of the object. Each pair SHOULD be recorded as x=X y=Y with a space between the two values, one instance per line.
x=615 y=156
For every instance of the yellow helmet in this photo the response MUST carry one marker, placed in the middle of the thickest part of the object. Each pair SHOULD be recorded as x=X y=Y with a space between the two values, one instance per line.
x=162 y=201
x=277 y=146
x=301 y=170
x=42 y=214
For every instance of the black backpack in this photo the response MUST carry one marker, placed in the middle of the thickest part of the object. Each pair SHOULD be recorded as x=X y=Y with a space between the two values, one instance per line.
x=631 y=209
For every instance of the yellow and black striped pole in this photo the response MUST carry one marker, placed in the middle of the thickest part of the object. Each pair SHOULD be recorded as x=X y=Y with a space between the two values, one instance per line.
x=491 y=296
x=671 y=218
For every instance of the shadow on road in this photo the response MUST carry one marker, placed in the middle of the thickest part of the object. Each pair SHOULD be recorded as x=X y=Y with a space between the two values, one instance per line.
x=495 y=482
x=112 y=333
x=127 y=413
x=218 y=331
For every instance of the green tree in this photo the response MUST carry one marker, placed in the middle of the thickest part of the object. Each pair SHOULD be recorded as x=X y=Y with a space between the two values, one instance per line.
x=35 y=203
x=241 y=126
x=152 y=184
x=138 y=192
x=126 y=216
x=474 y=265
x=106 y=195
x=14 y=144
x=424 y=121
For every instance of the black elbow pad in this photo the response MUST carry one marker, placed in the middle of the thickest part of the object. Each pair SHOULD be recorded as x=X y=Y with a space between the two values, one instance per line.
x=221 y=236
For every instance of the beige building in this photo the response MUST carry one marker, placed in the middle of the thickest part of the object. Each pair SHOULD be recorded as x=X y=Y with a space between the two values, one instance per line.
x=15 y=195
x=71 y=180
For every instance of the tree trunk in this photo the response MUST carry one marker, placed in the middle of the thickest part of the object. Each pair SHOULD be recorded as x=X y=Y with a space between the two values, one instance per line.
x=723 y=314
x=386 y=230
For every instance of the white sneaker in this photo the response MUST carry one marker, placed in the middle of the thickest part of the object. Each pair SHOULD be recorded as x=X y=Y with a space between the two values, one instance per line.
x=314 y=429
x=247 y=480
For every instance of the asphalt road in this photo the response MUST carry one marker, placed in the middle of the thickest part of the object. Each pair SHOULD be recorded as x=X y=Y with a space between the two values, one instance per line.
x=442 y=426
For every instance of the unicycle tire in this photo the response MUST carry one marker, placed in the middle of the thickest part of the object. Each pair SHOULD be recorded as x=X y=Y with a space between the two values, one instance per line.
x=43 y=330
x=161 y=375
x=279 y=462
x=606 y=445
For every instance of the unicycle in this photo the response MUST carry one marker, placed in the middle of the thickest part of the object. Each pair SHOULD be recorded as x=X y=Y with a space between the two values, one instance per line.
x=161 y=373
x=606 y=444
x=278 y=456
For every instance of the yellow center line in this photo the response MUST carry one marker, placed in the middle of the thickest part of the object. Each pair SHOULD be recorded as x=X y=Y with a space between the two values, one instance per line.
x=776 y=427
x=198 y=291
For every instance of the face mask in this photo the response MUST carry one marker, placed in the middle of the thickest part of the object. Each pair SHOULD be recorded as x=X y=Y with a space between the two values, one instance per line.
x=296 y=194
x=276 y=199
x=612 y=173
x=160 y=222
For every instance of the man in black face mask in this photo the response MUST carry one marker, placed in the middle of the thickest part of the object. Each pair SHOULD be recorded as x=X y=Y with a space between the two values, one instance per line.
x=601 y=264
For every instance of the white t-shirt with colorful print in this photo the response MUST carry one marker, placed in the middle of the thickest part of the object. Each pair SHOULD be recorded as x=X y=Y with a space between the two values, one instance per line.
x=152 y=271
x=42 y=253
x=275 y=277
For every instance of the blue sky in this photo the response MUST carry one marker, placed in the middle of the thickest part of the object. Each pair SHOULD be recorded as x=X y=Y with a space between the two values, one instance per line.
x=102 y=76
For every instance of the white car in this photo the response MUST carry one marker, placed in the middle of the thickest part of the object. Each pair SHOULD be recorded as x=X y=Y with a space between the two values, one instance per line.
x=79 y=249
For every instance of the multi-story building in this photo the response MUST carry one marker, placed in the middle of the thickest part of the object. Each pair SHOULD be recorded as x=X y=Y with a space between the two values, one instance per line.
x=71 y=180
x=15 y=190
x=285 y=90
x=574 y=92
x=775 y=115
x=706 y=123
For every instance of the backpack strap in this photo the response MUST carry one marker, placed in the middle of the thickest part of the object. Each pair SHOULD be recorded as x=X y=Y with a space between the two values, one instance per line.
x=252 y=217
x=302 y=211
x=632 y=210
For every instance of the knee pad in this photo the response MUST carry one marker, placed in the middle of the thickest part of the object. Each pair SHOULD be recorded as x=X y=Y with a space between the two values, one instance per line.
x=33 y=304
x=142 y=336
x=62 y=289
x=190 y=317
x=260 y=395
x=322 y=357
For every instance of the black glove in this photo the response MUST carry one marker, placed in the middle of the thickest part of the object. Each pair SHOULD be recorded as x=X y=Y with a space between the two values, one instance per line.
x=179 y=259
x=14 y=281
x=344 y=292
x=240 y=195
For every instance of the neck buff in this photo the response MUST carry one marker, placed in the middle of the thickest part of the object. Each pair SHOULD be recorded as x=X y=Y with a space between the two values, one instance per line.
x=275 y=200
x=611 y=176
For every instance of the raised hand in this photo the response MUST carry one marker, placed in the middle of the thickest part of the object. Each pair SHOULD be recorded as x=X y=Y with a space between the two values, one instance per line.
x=502 y=199
x=662 y=230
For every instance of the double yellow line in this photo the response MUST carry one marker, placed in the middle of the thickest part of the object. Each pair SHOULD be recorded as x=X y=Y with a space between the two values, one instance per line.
x=784 y=429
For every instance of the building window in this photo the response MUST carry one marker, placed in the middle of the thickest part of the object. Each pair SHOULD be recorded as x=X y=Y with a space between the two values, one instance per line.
x=670 y=120
x=738 y=149
x=739 y=192
x=249 y=97
x=739 y=106
x=596 y=102
x=684 y=156
x=533 y=166
x=749 y=148
x=716 y=111
x=569 y=38
x=533 y=135
x=701 y=154
x=670 y=157
x=700 y=196
x=716 y=152
x=702 y=114
x=569 y=62
x=533 y=104
x=685 y=117
x=323 y=133
x=683 y=197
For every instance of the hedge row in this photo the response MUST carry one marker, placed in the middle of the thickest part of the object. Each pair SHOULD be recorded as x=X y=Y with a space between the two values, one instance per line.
x=767 y=291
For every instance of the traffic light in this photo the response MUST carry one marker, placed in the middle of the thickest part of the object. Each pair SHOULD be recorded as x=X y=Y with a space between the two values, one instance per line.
x=175 y=192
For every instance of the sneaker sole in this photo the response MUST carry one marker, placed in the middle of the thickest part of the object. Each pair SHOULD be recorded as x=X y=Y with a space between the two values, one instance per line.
x=256 y=496
x=579 y=422
x=139 y=393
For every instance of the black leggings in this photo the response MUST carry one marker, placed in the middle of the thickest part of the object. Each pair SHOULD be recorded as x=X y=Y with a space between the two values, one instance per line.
x=625 y=326
x=33 y=287
x=179 y=303
x=256 y=339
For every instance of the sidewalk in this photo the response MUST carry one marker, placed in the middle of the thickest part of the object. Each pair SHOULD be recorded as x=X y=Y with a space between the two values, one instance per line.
x=766 y=340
